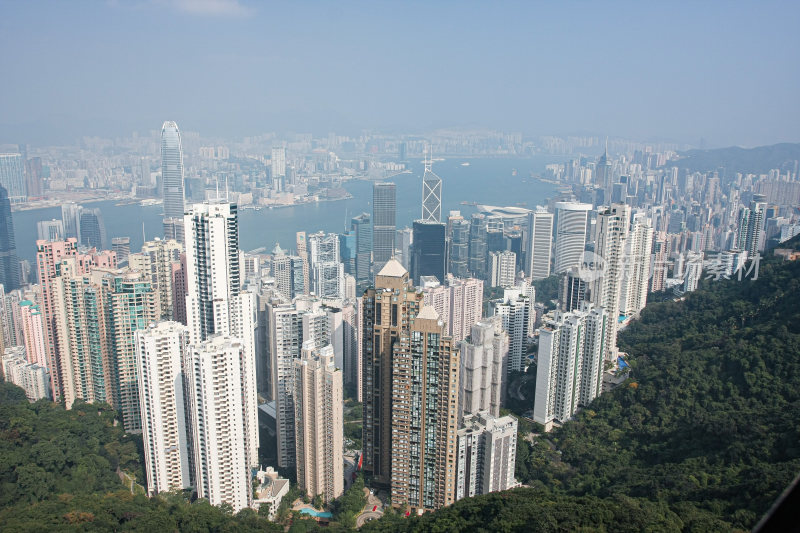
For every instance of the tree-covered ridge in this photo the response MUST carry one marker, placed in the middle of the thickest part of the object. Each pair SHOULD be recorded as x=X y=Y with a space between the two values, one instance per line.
x=703 y=437
x=758 y=160
x=46 y=450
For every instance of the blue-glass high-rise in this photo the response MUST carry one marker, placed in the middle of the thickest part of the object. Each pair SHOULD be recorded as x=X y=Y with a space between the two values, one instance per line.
x=9 y=263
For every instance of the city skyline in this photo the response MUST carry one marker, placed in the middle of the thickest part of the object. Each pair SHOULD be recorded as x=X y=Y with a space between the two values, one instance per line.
x=690 y=81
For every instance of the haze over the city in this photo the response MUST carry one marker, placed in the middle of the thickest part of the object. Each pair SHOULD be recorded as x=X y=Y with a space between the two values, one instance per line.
x=711 y=74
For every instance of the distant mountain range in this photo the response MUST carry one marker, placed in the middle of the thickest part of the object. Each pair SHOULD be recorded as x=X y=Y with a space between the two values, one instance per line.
x=729 y=161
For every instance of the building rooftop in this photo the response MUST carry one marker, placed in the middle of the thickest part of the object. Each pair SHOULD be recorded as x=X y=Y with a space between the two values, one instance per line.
x=393 y=269
x=429 y=313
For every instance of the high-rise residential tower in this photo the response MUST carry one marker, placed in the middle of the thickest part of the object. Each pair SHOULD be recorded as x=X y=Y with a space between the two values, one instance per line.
x=611 y=235
x=216 y=305
x=425 y=377
x=484 y=358
x=636 y=267
x=487 y=452
x=319 y=423
x=540 y=243
x=384 y=222
x=569 y=369
x=387 y=310
x=165 y=425
x=172 y=180
x=217 y=372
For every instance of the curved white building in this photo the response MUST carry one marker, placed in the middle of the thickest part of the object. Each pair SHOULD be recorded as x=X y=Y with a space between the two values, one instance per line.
x=572 y=219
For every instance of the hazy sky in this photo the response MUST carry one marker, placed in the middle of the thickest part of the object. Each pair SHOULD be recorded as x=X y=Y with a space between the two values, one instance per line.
x=728 y=72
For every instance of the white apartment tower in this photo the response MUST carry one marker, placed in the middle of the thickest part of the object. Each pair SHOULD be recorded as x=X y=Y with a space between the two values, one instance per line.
x=513 y=314
x=221 y=320
x=540 y=243
x=484 y=358
x=569 y=370
x=291 y=327
x=319 y=423
x=217 y=372
x=611 y=234
x=502 y=268
x=487 y=452
x=165 y=426
x=636 y=266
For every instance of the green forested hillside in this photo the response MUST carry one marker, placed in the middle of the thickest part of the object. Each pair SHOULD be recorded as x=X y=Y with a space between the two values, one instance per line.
x=703 y=437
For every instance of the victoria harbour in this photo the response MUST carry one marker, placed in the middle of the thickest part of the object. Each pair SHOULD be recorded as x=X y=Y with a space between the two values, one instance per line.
x=482 y=181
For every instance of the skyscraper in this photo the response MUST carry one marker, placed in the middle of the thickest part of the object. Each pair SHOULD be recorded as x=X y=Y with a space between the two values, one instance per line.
x=540 y=243
x=487 y=452
x=172 y=180
x=50 y=230
x=130 y=304
x=502 y=269
x=92 y=229
x=12 y=177
x=428 y=255
x=513 y=312
x=71 y=218
x=458 y=230
x=319 y=423
x=217 y=371
x=291 y=327
x=215 y=305
x=387 y=309
x=751 y=226
x=478 y=246
x=611 y=234
x=569 y=369
x=122 y=247
x=9 y=262
x=362 y=227
x=384 y=219
x=636 y=267
x=166 y=427
x=158 y=260
x=572 y=290
x=326 y=269
x=484 y=358
x=431 y=195
x=278 y=162
x=425 y=375
x=572 y=221
x=604 y=175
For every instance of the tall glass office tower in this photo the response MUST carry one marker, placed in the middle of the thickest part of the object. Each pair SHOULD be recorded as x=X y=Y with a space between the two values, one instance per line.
x=384 y=218
x=9 y=263
x=172 y=180
x=431 y=196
